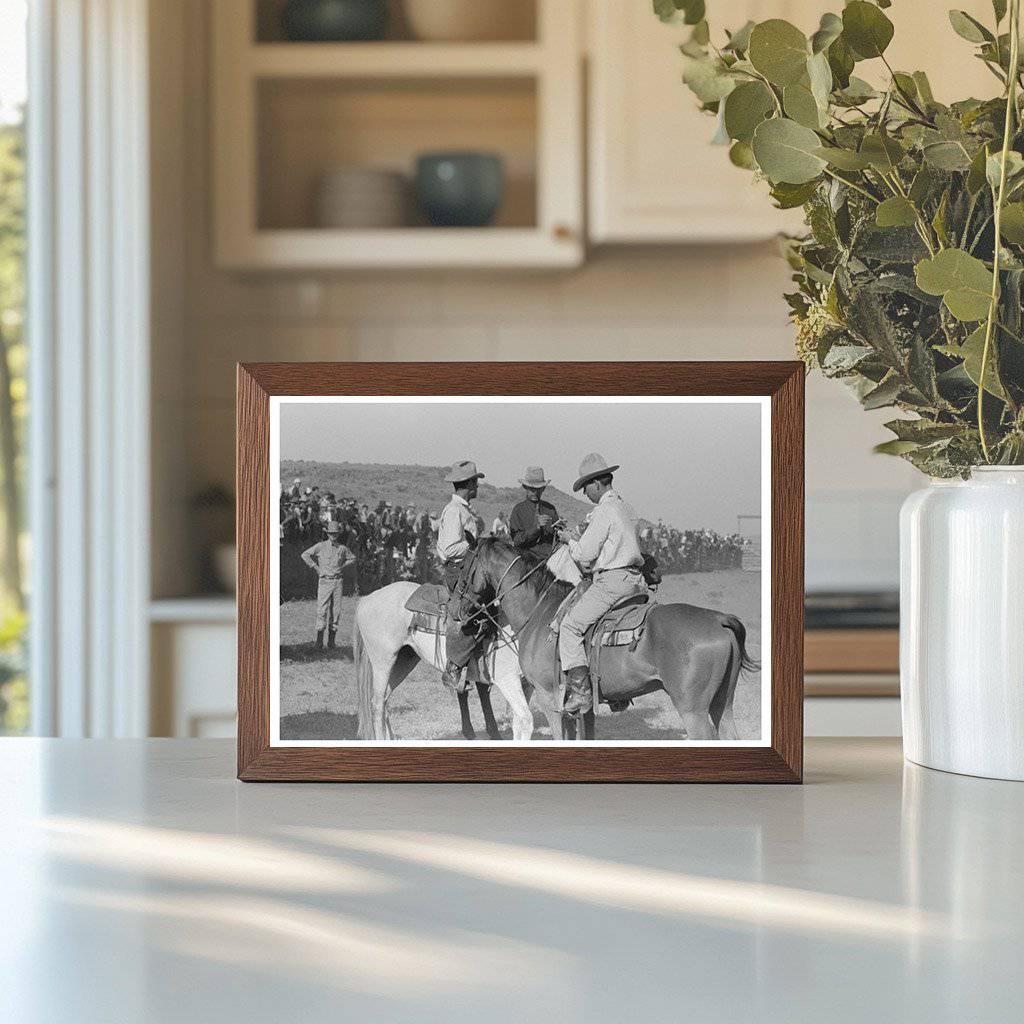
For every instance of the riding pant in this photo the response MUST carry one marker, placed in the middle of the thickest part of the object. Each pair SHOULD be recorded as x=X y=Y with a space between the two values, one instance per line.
x=609 y=587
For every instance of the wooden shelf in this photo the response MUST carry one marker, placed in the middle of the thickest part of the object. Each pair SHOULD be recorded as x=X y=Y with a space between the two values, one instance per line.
x=393 y=60
x=284 y=114
x=318 y=248
x=852 y=650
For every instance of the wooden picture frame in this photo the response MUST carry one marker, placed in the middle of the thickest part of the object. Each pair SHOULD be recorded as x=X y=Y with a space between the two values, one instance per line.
x=779 y=760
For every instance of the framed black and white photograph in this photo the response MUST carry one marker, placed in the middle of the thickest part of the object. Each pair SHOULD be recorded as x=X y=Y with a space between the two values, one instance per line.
x=488 y=571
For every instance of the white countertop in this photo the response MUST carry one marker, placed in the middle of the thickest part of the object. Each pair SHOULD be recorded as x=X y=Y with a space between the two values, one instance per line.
x=140 y=882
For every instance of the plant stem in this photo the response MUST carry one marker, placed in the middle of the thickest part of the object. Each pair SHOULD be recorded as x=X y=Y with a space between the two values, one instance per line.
x=853 y=185
x=1011 y=108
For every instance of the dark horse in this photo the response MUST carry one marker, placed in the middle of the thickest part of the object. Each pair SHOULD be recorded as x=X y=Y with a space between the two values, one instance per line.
x=694 y=654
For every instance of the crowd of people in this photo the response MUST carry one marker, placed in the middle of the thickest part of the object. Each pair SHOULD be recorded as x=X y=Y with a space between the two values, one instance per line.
x=692 y=550
x=395 y=542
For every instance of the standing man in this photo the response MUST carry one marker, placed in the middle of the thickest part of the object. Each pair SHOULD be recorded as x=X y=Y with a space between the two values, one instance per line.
x=533 y=519
x=609 y=546
x=457 y=535
x=328 y=559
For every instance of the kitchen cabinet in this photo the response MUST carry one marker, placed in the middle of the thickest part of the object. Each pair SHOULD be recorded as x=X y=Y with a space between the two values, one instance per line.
x=288 y=114
x=654 y=177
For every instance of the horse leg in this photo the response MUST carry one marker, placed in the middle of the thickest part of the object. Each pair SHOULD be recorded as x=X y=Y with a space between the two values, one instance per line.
x=588 y=724
x=555 y=722
x=468 y=732
x=511 y=687
x=484 y=692
x=727 y=726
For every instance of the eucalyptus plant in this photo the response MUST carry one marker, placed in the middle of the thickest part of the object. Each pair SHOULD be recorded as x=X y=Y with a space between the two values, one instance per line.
x=910 y=277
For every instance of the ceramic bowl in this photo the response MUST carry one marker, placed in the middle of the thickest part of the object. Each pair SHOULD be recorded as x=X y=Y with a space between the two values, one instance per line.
x=470 y=20
x=333 y=21
x=460 y=189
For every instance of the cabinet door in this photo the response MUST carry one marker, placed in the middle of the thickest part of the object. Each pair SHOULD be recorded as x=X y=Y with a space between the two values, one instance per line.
x=654 y=176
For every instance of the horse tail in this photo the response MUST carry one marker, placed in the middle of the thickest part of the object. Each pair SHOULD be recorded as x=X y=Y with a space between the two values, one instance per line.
x=364 y=683
x=747 y=664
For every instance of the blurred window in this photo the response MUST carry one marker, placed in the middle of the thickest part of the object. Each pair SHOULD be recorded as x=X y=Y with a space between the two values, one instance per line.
x=14 y=681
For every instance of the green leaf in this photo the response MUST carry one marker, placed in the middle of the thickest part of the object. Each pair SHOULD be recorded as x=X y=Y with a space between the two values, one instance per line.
x=885 y=394
x=993 y=166
x=857 y=91
x=819 y=74
x=976 y=174
x=971 y=352
x=739 y=41
x=895 y=212
x=829 y=30
x=788 y=196
x=779 y=51
x=923 y=431
x=963 y=281
x=841 y=63
x=707 y=78
x=690 y=12
x=969 y=28
x=801 y=106
x=947 y=156
x=741 y=155
x=866 y=29
x=1012 y=223
x=922 y=185
x=924 y=88
x=745 y=108
x=787 y=151
x=844 y=159
x=895 y=447
x=882 y=151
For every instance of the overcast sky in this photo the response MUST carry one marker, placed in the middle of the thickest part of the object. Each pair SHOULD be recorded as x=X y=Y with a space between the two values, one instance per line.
x=692 y=464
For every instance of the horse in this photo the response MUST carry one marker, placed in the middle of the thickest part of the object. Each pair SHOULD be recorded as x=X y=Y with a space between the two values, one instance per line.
x=386 y=649
x=694 y=654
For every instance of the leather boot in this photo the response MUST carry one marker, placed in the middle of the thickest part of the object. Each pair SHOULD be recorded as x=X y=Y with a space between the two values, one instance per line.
x=454 y=677
x=580 y=694
x=318 y=643
x=331 y=645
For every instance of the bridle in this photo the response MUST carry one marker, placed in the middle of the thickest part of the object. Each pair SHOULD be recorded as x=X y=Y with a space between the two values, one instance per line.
x=507 y=637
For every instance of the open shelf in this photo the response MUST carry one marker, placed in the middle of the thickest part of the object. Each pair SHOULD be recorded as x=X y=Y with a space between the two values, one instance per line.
x=287 y=114
x=520 y=22
x=393 y=60
x=309 y=127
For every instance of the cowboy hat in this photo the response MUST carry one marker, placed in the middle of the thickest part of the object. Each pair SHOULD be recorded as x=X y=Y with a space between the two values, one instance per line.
x=333 y=527
x=462 y=472
x=534 y=477
x=592 y=467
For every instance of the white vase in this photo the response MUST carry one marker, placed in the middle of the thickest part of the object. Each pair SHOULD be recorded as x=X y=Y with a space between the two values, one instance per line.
x=962 y=624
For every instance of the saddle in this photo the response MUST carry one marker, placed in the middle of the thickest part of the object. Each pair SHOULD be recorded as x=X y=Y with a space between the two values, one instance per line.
x=429 y=605
x=622 y=625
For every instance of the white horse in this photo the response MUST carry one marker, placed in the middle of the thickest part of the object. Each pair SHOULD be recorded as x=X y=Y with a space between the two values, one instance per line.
x=386 y=649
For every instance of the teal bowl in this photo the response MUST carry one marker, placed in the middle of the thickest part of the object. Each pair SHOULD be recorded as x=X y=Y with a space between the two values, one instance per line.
x=462 y=190
x=334 y=21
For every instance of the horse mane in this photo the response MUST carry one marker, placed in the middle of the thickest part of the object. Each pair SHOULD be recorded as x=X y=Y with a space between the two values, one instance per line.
x=541 y=577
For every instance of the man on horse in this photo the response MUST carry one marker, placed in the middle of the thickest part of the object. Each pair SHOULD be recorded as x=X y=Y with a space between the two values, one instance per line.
x=458 y=531
x=610 y=548
x=533 y=519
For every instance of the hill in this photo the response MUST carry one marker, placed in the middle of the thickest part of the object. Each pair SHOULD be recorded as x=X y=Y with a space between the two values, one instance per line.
x=422 y=486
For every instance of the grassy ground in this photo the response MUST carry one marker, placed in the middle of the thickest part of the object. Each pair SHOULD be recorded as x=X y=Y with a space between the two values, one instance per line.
x=318 y=689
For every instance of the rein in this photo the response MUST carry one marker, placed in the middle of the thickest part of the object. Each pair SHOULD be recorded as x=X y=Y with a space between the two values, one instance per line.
x=482 y=608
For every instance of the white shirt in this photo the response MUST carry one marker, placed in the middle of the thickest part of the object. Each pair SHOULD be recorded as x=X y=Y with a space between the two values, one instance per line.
x=457 y=519
x=609 y=541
